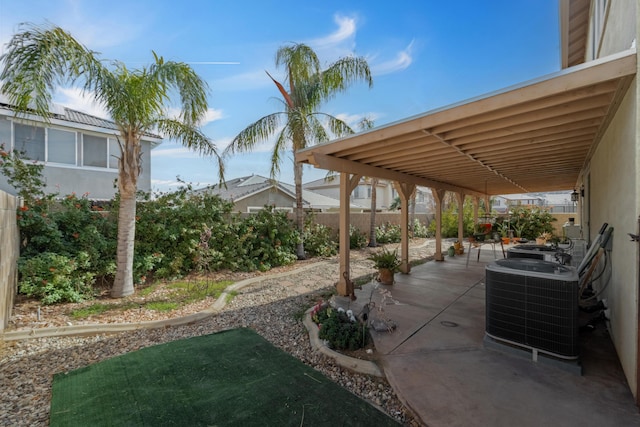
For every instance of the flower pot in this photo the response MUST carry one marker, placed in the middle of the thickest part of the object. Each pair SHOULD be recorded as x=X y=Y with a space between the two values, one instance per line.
x=385 y=276
x=451 y=251
x=506 y=240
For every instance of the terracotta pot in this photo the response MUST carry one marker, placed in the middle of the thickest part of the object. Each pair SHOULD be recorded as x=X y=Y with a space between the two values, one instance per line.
x=506 y=240
x=385 y=276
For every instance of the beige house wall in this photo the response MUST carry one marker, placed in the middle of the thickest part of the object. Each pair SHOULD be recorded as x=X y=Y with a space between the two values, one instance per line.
x=263 y=198
x=614 y=196
x=9 y=252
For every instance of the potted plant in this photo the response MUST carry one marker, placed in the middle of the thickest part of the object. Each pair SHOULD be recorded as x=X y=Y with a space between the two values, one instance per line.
x=387 y=263
x=504 y=232
x=543 y=238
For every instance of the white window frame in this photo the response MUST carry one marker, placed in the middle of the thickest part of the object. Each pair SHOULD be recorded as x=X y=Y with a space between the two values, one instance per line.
x=75 y=146
x=111 y=149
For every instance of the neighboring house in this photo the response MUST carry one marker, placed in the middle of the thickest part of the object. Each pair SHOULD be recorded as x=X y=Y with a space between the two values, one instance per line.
x=361 y=195
x=251 y=193
x=577 y=128
x=79 y=151
x=555 y=202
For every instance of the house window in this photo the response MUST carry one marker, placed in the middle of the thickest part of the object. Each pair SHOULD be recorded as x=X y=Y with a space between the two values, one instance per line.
x=95 y=151
x=29 y=140
x=114 y=153
x=61 y=146
x=598 y=17
x=5 y=133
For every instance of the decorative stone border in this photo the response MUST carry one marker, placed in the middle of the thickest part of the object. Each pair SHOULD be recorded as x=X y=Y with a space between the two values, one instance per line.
x=357 y=365
x=106 y=328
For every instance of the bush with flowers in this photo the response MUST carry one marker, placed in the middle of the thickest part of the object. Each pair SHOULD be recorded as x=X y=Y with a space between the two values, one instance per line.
x=340 y=328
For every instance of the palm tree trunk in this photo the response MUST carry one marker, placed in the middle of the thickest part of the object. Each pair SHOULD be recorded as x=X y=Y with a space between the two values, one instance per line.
x=129 y=170
x=372 y=221
x=123 y=284
x=297 y=176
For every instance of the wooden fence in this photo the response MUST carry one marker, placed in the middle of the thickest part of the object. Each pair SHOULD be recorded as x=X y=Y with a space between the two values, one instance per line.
x=9 y=252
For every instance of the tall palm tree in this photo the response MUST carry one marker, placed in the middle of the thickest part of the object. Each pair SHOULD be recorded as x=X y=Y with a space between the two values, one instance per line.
x=300 y=124
x=365 y=124
x=37 y=58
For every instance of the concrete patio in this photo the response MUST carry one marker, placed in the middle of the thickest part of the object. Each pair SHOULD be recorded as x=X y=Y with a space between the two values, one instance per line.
x=439 y=364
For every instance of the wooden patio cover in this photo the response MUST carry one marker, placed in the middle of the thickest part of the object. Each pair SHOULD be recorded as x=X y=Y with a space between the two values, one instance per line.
x=534 y=137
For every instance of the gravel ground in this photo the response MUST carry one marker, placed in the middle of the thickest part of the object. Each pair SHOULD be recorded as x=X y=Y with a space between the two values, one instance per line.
x=271 y=307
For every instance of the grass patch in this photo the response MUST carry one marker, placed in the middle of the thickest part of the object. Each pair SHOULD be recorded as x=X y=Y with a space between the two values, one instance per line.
x=100 y=308
x=197 y=291
x=182 y=293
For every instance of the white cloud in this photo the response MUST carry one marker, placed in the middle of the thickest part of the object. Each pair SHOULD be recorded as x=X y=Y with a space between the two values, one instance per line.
x=353 y=120
x=402 y=60
x=211 y=115
x=345 y=33
x=337 y=44
x=340 y=43
x=76 y=99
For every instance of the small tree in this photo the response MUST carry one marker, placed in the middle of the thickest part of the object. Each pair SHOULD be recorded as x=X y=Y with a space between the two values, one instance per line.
x=37 y=58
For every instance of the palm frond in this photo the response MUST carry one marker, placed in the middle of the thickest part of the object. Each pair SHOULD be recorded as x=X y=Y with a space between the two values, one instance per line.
x=300 y=61
x=192 y=138
x=259 y=131
x=343 y=73
x=39 y=57
x=191 y=88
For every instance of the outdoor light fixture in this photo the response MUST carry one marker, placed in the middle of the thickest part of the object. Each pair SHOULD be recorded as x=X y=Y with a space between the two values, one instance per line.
x=575 y=196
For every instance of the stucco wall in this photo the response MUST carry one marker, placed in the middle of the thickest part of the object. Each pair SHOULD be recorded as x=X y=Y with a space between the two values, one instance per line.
x=614 y=196
x=99 y=183
x=614 y=199
x=263 y=198
x=9 y=252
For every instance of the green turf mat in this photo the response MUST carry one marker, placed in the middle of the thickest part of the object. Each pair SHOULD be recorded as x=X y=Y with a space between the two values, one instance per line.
x=229 y=378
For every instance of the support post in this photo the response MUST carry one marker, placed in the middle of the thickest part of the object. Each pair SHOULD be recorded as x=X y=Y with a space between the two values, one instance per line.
x=405 y=191
x=438 y=195
x=460 y=197
x=347 y=183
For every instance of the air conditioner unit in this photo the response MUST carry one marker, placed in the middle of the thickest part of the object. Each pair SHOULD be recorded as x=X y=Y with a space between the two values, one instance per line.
x=533 y=304
x=542 y=252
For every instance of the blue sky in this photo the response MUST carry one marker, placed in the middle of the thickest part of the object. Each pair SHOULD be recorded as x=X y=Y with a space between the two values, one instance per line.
x=423 y=55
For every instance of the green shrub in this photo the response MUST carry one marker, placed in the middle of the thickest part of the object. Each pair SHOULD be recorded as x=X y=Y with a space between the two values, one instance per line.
x=450 y=220
x=420 y=229
x=269 y=240
x=357 y=239
x=318 y=239
x=388 y=233
x=55 y=278
x=338 y=330
x=531 y=222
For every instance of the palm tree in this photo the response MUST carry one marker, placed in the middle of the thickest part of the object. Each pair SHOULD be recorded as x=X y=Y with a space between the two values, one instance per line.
x=366 y=124
x=39 y=57
x=300 y=124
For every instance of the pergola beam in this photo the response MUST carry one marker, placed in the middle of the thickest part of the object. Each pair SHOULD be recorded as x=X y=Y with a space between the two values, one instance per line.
x=324 y=161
